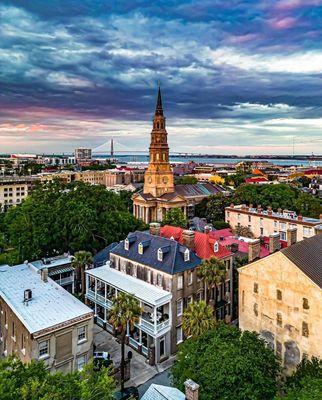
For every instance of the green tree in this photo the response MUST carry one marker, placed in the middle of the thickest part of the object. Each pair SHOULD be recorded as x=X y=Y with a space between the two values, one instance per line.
x=124 y=313
x=33 y=381
x=81 y=261
x=186 y=180
x=308 y=206
x=235 y=180
x=243 y=231
x=175 y=217
x=60 y=217
x=306 y=381
x=212 y=271
x=197 y=319
x=227 y=364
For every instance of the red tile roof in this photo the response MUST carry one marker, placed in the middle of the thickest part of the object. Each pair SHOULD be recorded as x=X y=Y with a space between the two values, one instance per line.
x=256 y=179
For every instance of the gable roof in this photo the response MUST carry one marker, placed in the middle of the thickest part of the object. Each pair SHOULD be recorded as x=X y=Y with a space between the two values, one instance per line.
x=198 y=189
x=307 y=256
x=173 y=260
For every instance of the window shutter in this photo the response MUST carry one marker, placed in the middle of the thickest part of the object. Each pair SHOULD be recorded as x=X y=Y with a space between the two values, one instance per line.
x=64 y=346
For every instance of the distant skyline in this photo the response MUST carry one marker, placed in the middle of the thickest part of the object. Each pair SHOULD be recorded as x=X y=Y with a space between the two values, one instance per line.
x=237 y=77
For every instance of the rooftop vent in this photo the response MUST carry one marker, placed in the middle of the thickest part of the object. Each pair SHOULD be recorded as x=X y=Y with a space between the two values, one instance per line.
x=27 y=295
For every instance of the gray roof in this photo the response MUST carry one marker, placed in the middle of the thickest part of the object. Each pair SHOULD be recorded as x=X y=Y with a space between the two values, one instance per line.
x=307 y=256
x=173 y=259
x=158 y=392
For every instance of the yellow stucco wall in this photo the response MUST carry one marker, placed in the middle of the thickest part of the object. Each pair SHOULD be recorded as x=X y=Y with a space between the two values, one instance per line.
x=277 y=272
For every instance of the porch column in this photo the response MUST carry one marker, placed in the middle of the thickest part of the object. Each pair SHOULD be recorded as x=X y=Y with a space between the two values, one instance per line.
x=155 y=319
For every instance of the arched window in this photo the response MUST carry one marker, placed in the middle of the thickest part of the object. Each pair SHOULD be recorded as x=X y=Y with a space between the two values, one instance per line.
x=158 y=125
x=126 y=244
x=187 y=255
x=140 y=248
x=160 y=255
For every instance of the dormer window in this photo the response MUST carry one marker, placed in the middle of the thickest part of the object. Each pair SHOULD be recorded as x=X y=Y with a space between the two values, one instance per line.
x=126 y=244
x=187 y=255
x=216 y=247
x=140 y=248
x=160 y=255
x=171 y=238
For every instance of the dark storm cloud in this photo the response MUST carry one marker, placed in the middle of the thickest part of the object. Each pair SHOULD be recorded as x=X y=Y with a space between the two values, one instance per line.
x=234 y=63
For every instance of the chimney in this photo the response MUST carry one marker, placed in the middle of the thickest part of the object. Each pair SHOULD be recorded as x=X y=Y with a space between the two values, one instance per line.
x=274 y=242
x=155 y=228
x=279 y=210
x=259 y=208
x=254 y=248
x=291 y=236
x=191 y=390
x=44 y=274
x=320 y=217
x=318 y=229
x=300 y=217
x=232 y=205
x=269 y=210
x=207 y=229
x=188 y=239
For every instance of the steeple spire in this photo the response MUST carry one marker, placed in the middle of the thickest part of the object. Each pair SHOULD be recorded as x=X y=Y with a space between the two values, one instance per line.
x=159 y=109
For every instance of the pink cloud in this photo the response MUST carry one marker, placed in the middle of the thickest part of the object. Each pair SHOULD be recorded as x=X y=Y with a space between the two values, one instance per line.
x=282 y=23
x=293 y=4
x=243 y=38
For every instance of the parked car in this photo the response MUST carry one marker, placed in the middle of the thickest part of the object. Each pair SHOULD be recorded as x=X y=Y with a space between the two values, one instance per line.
x=102 y=359
x=128 y=393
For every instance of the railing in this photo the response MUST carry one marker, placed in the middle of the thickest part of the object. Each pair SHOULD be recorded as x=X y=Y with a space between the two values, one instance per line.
x=145 y=351
x=134 y=343
x=100 y=321
x=99 y=298
x=65 y=281
x=149 y=326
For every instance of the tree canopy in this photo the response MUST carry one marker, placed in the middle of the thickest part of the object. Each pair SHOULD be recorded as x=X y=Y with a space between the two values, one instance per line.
x=33 y=381
x=60 y=217
x=197 y=319
x=175 y=217
x=227 y=364
x=186 y=180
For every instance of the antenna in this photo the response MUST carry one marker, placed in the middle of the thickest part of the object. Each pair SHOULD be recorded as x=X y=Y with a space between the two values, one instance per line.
x=112 y=147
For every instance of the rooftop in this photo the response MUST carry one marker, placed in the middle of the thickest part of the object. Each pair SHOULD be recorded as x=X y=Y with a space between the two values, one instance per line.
x=173 y=260
x=158 y=392
x=52 y=262
x=307 y=256
x=51 y=305
x=142 y=290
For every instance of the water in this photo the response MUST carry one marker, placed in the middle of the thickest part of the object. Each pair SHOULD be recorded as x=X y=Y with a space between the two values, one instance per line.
x=144 y=158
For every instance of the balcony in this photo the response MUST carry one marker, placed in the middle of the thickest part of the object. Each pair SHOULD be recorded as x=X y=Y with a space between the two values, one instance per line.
x=98 y=298
x=148 y=325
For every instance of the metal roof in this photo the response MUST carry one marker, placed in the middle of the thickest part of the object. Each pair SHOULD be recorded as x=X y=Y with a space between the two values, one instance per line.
x=307 y=256
x=50 y=305
x=158 y=392
x=142 y=290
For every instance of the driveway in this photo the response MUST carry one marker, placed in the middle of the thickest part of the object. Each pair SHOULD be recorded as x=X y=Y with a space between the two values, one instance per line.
x=141 y=371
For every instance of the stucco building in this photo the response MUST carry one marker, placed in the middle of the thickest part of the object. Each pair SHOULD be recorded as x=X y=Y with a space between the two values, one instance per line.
x=13 y=190
x=160 y=194
x=280 y=297
x=39 y=320
x=268 y=222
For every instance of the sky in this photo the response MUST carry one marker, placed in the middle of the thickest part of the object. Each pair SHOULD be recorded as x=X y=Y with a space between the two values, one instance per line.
x=237 y=77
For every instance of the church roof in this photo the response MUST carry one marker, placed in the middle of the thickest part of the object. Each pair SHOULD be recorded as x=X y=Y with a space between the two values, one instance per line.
x=198 y=189
x=158 y=108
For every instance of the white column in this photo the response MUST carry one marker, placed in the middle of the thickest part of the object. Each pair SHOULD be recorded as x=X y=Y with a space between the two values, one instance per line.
x=155 y=319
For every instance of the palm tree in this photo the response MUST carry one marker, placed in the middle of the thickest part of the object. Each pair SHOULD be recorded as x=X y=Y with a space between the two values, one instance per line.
x=197 y=319
x=124 y=313
x=81 y=261
x=212 y=271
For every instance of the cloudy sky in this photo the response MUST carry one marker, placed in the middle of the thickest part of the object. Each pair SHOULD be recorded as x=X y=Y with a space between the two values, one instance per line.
x=238 y=76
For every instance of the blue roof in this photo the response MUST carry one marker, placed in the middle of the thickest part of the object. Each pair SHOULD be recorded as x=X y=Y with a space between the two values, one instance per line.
x=173 y=258
x=103 y=256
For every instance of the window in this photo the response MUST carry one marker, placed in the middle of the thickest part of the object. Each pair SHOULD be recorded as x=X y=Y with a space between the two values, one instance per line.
x=81 y=361
x=238 y=217
x=216 y=247
x=305 y=304
x=44 y=349
x=179 y=307
x=13 y=331
x=140 y=248
x=228 y=214
x=255 y=307
x=279 y=319
x=179 y=334
x=126 y=244
x=81 y=334
x=261 y=221
x=149 y=276
x=305 y=329
x=278 y=349
x=180 y=282
x=199 y=296
x=282 y=235
x=283 y=226
x=279 y=294
x=187 y=255
x=189 y=300
x=255 y=287
x=160 y=255
x=22 y=341
x=262 y=231
x=306 y=231
x=275 y=224
x=159 y=280
x=190 y=278
x=249 y=218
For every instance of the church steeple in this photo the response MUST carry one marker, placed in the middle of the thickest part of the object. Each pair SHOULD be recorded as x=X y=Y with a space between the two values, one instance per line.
x=158 y=108
x=159 y=176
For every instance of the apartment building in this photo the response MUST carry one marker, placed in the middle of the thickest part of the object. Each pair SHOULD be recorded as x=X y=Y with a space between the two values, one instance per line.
x=267 y=222
x=13 y=190
x=280 y=297
x=39 y=320
x=83 y=155
x=162 y=275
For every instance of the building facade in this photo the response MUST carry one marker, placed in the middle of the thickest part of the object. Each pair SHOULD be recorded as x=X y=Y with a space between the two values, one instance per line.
x=13 y=190
x=39 y=320
x=83 y=155
x=268 y=222
x=160 y=194
x=280 y=297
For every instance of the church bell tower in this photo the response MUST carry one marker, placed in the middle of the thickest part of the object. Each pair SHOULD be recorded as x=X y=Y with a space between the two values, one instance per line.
x=158 y=178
